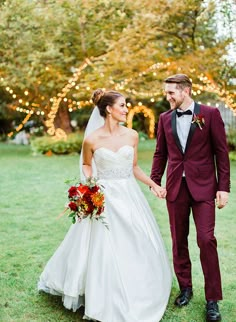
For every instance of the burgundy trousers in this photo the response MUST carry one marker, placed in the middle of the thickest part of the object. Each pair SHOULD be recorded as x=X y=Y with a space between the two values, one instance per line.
x=204 y=218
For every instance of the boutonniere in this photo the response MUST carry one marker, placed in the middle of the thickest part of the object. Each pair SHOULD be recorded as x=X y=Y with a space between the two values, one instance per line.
x=199 y=120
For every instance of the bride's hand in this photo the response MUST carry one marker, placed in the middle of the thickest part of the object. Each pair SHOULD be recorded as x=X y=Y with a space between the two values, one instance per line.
x=158 y=191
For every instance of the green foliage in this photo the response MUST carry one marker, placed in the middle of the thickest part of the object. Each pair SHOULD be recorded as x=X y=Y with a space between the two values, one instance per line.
x=231 y=139
x=142 y=136
x=232 y=155
x=48 y=144
x=55 y=35
x=44 y=42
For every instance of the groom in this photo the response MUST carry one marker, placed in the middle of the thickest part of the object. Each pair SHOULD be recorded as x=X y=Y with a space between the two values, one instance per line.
x=191 y=138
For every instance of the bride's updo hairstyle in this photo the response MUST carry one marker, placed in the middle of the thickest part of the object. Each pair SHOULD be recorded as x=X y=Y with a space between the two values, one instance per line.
x=103 y=98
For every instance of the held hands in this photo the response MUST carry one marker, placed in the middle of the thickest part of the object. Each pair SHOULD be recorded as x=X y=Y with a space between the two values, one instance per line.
x=222 y=198
x=158 y=191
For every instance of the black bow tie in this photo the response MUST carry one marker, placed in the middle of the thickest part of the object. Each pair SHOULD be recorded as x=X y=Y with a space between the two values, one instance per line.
x=188 y=112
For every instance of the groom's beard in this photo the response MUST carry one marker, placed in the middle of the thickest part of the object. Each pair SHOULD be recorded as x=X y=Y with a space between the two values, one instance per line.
x=174 y=105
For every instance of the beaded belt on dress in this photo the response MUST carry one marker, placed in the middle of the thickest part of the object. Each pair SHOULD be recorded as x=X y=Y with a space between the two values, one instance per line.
x=117 y=173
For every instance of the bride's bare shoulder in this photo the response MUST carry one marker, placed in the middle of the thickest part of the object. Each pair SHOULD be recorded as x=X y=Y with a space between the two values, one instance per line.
x=131 y=132
x=92 y=138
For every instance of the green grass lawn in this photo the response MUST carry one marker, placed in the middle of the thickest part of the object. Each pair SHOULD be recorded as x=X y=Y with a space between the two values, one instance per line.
x=33 y=193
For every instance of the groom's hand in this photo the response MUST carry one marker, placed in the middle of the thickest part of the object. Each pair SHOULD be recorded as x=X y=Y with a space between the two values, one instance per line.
x=159 y=192
x=222 y=198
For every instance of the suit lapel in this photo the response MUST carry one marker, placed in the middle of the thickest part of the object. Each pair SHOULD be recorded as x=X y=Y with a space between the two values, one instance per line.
x=193 y=126
x=173 y=125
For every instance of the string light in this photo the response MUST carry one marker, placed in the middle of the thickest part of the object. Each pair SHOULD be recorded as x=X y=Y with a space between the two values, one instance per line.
x=20 y=126
x=147 y=113
x=20 y=101
x=207 y=86
x=59 y=133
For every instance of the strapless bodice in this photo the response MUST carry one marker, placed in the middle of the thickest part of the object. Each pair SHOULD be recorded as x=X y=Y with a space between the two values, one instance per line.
x=114 y=164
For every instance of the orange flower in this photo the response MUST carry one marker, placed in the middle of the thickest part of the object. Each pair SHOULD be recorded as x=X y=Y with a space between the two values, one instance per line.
x=98 y=199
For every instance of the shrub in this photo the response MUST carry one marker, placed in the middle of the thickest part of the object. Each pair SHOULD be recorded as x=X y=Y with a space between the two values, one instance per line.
x=232 y=156
x=142 y=136
x=3 y=137
x=48 y=144
x=231 y=139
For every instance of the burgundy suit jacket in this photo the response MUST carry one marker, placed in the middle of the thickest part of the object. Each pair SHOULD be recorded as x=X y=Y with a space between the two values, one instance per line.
x=205 y=161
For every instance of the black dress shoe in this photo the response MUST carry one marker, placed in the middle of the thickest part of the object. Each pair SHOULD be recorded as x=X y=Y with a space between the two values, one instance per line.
x=184 y=297
x=212 y=311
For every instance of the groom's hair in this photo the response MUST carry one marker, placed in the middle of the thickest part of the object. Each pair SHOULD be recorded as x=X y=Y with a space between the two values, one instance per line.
x=181 y=80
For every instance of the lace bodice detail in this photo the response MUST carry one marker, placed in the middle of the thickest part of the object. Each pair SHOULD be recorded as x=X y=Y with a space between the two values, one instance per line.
x=114 y=165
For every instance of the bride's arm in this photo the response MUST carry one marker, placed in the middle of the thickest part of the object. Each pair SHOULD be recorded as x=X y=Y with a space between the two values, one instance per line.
x=141 y=176
x=87 y=159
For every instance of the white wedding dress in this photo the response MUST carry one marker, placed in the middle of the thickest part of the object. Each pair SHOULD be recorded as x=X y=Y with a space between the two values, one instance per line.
x=121 y=274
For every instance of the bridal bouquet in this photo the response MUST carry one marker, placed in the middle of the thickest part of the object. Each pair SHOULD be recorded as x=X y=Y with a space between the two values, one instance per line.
x=86 y=200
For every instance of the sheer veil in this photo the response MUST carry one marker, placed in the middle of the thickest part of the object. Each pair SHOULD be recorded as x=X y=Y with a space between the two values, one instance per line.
x=95 y=121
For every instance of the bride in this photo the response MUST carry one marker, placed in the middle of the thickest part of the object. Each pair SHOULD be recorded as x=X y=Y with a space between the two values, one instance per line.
x=121 y=274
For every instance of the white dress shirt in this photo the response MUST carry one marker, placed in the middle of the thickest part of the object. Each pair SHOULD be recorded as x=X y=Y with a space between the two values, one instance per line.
x=183 y=124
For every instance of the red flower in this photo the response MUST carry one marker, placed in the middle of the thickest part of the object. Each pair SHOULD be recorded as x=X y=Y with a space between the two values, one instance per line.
x=82 y=188
x=94 y=189
x=88 y=202
x=100 y=211
x=199 y=120
x=72 y=191
x=72 y=205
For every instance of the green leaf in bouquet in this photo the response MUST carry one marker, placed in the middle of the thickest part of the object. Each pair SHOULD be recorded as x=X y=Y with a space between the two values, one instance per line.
x=70 y=181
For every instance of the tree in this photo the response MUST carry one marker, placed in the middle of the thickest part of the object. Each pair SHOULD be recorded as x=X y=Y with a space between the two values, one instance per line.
x=44 y=42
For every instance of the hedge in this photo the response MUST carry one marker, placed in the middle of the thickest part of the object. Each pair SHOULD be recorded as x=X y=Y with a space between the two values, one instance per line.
x=51 y=145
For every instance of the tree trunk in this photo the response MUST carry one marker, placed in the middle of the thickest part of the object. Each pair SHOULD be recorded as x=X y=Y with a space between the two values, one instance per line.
x=62 y=119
